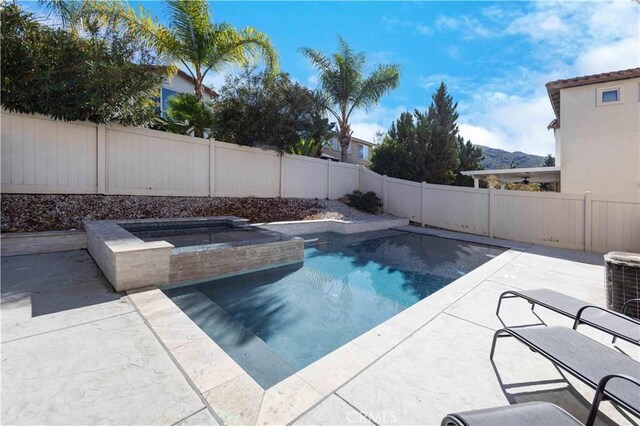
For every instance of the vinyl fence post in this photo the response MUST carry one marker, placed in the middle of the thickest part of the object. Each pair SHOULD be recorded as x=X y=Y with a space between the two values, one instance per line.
x=587 y=220
x=329 y=178
x=423 y=205
x=101 y=138
x=212 y=165
x=282 y=189
x=492 y=212
x=384 y=194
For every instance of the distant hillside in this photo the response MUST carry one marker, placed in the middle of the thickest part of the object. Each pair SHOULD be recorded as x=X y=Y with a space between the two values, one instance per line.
x=500 y=159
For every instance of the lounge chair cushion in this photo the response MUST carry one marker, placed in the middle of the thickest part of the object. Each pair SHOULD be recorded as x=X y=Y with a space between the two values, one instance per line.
x=529 y=413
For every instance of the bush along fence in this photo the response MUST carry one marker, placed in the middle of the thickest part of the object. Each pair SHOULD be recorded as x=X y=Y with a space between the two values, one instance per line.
x=40 y=155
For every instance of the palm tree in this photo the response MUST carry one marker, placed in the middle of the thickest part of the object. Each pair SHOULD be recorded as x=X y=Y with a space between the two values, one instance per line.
x=344 y=88
x=186 y=114
x=192 y=40
x=308 y=147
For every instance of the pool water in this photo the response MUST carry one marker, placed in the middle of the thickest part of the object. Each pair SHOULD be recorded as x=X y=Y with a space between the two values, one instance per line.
x=195 y=236
x=276 y=322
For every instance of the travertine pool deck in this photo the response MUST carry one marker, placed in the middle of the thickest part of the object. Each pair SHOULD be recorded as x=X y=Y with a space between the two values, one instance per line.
x=75 y=352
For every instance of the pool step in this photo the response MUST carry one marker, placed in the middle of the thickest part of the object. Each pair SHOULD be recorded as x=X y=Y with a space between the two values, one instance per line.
x=254 y=356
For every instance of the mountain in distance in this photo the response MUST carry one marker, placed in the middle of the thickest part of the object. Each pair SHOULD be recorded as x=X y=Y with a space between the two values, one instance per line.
x=499 y=159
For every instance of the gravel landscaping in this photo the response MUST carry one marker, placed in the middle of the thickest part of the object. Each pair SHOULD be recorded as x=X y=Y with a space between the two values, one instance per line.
x=36 y=212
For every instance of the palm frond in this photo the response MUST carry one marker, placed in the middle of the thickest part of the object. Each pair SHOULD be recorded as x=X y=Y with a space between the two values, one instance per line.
x=67 y=10
x=190 y=25
x=384 y=79
x=318 y=59
x=243 y=47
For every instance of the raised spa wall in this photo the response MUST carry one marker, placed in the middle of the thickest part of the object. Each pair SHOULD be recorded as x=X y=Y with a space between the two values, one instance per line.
x=129 y=262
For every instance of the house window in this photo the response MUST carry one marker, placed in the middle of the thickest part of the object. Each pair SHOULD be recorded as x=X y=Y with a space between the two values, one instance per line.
x=165 y=94
x=363 y=152
x=610 y=95
x=335 y=145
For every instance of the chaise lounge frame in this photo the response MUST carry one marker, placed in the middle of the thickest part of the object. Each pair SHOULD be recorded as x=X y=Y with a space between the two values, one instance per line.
x=517 y=333
x=520 y=413
x=578 y=317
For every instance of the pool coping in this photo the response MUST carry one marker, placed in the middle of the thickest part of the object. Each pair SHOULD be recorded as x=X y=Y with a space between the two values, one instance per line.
x=237 y=399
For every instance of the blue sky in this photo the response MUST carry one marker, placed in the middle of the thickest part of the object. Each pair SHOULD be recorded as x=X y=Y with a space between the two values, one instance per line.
x=495 y=57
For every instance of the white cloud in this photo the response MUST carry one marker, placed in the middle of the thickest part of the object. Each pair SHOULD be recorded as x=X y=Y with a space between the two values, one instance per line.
x=482 y=136
x=365 y=124
x=512 y=123
x=367 y=130
x=424 y=29
x=539 y=26
x=432 y=81
x=567 y=39
x=569 y=31
x=468 y=26
x=216 y=80
x=313 y=81
x=395 y=25
x=445 y=22
x=619 y=55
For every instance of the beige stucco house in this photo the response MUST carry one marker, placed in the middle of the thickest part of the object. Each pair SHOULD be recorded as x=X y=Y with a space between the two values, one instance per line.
x=597 y=135
x=359 y=151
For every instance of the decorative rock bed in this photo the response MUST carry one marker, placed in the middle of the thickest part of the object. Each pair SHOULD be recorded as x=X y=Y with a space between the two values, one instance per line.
x=38 y=212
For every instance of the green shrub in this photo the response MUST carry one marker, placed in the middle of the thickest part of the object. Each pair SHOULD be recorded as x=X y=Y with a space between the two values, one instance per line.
x=367 y=202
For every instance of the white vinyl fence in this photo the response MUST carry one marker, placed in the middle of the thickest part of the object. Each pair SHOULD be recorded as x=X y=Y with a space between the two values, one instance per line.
x=40 y=155
x=574 y=221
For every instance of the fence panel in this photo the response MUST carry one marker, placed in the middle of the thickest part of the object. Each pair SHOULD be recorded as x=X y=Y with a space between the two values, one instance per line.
x=304 y=177
x=40 y=155
x=150 y=162
x=543 y=218
x=403 y=198
x=245 y=172
x=345 y=178
x=615 y=225
x=458 y=209
x=370 y=181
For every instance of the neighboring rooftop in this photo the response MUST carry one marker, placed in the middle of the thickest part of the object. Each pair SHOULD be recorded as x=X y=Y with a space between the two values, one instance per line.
x=554 y=87
x=362 y=141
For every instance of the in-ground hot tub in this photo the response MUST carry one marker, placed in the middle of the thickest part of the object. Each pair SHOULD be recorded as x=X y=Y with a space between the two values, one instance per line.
x=140 y=253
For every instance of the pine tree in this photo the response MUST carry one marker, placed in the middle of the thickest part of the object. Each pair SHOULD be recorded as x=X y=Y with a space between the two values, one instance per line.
x=471 y=157
x=549 y=161
x=431 y=141
x=442 y=150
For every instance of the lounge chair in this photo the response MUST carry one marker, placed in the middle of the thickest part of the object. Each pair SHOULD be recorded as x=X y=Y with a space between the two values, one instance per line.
x=530 y=413
x=614 y=323
x=583 y=357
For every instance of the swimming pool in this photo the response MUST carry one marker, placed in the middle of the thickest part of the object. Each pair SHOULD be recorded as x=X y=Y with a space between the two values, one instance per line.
x=276 y=322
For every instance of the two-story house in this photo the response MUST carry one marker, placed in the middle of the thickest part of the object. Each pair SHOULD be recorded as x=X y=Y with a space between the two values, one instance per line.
x=597 y=135
x=359 y=151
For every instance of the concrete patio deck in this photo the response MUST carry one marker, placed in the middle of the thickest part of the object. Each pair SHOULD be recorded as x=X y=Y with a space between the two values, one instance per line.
x=75 y=352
